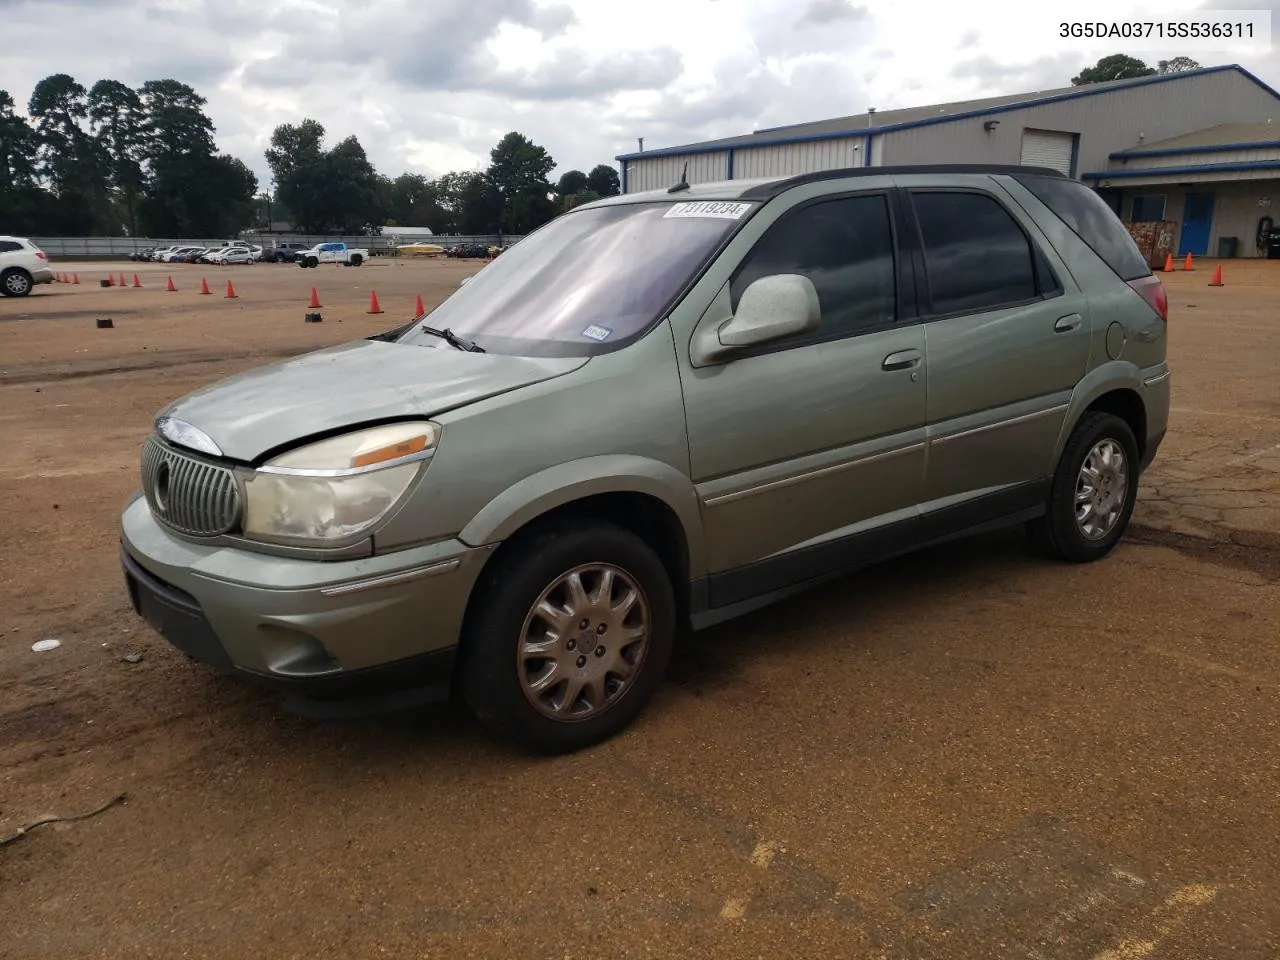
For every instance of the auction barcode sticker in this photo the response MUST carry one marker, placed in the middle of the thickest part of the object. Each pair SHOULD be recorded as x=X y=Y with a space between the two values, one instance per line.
x=715 y=209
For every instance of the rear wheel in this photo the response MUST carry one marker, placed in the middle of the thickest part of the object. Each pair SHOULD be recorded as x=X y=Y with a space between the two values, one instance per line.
x=569 y=638
x=1093 y=491
x=356 y=260
x=15 y=282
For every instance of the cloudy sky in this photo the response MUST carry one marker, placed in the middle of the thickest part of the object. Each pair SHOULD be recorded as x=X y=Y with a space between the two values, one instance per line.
x=430 y=85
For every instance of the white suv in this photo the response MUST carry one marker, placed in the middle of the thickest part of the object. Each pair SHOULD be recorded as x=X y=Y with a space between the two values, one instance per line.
x=22 y=266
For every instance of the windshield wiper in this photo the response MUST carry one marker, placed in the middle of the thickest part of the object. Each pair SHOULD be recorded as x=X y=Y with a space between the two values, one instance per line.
x=453 y=339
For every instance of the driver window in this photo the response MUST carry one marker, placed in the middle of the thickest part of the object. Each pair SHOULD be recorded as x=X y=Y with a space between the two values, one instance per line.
x=845 y=247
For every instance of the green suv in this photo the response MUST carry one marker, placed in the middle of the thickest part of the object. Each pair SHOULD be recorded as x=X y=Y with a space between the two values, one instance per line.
x=659 y=411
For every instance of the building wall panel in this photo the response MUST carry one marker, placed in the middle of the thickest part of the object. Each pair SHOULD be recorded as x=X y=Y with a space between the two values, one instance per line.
x=658 y=173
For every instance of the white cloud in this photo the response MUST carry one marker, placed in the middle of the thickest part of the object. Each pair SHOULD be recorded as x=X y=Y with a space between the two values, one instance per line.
x=431 y=86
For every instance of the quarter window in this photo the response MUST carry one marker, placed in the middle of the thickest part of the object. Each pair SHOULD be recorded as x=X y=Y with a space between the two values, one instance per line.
x=8 y=246
x=845 y=247
x=976 y=255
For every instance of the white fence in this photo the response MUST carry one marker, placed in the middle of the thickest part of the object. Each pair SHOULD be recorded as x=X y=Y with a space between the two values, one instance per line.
x=107 y=248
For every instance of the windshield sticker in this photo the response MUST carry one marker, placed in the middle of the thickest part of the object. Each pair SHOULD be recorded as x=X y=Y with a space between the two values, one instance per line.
x=599 y=334
x=714 y=209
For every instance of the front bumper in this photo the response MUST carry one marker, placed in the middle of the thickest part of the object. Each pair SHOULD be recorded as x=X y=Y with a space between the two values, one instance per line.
x=349 y=630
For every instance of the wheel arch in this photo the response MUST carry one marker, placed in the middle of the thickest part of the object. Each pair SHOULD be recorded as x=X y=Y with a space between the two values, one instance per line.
x=653 y=500
x=1112 y=388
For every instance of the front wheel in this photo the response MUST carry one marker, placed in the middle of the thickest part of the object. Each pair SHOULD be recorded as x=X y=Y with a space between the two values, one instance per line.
x=1093 y=491
x=356 y=260
x=569 y=637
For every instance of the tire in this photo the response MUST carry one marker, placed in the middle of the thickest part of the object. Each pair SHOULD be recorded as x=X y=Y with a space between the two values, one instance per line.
x=493 y=677
x=357 y=260
x=15 y=282
x=1060 y=532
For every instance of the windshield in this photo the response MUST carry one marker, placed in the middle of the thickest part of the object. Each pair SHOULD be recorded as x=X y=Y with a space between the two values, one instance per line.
x=584 y=281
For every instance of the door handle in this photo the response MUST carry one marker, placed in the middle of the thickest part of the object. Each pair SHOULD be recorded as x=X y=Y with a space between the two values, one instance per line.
x=902 y=360
x=1068 y=323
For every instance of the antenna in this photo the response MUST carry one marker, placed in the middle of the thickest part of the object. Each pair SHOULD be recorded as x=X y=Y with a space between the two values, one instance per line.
x=684 y=180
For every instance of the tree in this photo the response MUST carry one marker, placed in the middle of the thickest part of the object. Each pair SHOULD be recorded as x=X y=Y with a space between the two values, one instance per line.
x=603 y=180
x=1117 y=66
x=518 y=171
x=24 y=204
x=411 y=200
x=571 y=182
x=295 y=156
x=121 y=127
x=68 y=159
x=1177 y=65
x=350 y=201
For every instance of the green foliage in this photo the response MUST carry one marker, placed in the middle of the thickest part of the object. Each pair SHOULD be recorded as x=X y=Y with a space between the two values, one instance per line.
x=571 y=182
x=113 y=159
x=1117 y=66
x=603 y=179
x=1176 y=65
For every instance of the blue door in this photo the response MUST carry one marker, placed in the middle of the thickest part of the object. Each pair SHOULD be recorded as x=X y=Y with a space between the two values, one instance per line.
x=1197 y=220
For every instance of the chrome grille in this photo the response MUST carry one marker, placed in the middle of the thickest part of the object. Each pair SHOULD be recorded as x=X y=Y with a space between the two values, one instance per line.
x=189 y=494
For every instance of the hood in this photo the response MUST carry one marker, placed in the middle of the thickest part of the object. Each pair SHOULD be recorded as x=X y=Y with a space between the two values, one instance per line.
x=346 y=386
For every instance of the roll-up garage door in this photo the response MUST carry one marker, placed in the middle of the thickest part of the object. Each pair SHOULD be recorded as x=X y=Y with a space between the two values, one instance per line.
x=1048 y=148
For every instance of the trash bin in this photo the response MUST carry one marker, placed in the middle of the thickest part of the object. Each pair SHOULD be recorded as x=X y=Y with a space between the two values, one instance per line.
x=1227 y=247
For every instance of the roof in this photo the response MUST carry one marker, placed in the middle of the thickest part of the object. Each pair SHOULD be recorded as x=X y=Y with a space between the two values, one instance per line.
x=936 y=113
x=765 y=188
x=1225 y=136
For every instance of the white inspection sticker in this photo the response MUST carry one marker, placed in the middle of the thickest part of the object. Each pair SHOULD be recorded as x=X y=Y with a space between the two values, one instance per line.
x=599 y=334
x=715 y=209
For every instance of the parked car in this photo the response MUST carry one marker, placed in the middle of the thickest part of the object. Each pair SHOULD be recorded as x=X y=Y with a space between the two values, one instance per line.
x=661 y=410
x=332 y=253
x=140 y=256
x=191 y=256
x=160 y=254
x=180 y=254
x=229 y=255
x=210 y=255
x=23 y=266
x=284 y=252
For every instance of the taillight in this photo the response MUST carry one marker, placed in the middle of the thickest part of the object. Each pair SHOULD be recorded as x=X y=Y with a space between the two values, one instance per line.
x=40 y=254
x=1152 y=290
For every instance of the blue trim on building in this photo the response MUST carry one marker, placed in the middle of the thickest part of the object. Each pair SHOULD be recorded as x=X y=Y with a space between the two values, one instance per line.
x=1198 y=168
x=1213 y=148
x=866 y=147
x=728 y=163
x=951 y=118
x=1075 y=156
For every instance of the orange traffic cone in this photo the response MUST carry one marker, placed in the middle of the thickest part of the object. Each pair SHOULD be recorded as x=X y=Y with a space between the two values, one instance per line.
x=123 y=281
x=75 y=279
x=419 y=310
x=170 y=287
x=111 y=281
x=204 y=287
x=1217 y=277
x=373 y=302
x=1168 y=263
x=136 y=281
x=1187 y=265
x=315 y=299
x=231 y=292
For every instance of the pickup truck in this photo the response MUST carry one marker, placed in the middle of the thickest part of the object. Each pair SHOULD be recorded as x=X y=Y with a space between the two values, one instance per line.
x=332 y=253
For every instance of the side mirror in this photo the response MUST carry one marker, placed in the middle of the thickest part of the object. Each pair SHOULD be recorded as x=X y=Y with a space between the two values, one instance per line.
x=771 y=308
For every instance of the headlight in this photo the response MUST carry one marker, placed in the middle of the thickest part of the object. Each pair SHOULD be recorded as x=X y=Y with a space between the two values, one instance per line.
x=334 y=489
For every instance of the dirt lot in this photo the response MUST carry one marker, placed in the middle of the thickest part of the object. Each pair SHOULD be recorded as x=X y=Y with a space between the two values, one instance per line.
x=972 y=753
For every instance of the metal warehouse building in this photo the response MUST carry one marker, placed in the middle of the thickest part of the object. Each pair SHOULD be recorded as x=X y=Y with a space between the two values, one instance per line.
x=1198 y=150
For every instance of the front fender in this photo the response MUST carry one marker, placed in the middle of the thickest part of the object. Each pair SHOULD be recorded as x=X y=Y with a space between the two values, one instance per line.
x=564 y=483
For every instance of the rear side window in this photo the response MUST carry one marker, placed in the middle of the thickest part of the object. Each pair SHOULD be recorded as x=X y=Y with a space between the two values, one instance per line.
x=1089 y=217
x=976 y=255
x=8 y=246
x=845 y=247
